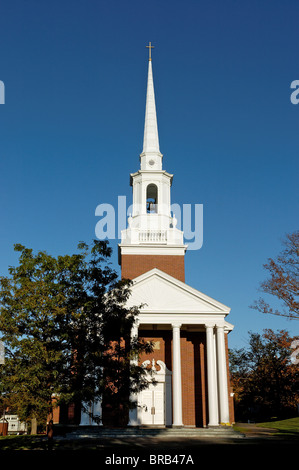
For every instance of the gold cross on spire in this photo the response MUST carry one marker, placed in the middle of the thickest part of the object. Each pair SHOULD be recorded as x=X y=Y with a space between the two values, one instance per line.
x=150 y=47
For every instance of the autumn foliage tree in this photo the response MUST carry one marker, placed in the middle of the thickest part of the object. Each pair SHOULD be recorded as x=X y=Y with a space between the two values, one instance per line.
x=283 y=280
x=264 y=378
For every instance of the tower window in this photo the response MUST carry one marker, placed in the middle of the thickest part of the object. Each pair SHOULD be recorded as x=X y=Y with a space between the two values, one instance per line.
x=151 y=199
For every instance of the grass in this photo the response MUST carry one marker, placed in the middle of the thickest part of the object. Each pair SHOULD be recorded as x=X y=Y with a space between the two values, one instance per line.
x=23 y=442
x=287 y=428
x=283 y=427
x=39 y=443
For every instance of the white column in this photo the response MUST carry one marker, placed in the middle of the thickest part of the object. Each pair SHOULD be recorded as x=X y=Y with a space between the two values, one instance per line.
x=133 y=416
x=212 y=377
x=222 y=376
x=94 y=409
x=85 y=418
x=176 y=375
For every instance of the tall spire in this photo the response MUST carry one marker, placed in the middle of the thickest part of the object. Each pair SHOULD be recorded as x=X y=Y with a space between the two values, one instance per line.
x=151 y=138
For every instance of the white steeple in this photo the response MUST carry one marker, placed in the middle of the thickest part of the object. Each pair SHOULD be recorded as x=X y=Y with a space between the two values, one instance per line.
x=151 y=223
x=151 y=138
x=151 y=151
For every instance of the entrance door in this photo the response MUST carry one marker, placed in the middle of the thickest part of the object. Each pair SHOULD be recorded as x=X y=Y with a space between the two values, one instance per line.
x=153 y=405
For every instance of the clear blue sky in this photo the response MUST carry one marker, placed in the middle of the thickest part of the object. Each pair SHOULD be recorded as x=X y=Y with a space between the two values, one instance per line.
x=71 y=128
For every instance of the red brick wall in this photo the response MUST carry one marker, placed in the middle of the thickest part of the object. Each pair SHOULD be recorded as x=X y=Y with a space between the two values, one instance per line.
x=135 y=265
x=188 y=380
x=162 y=350
x=203 y=381
x=193 y=378
x=56 y=414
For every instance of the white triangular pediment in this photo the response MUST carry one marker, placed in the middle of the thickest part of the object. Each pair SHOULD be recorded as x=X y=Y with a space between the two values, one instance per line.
x=160 y=292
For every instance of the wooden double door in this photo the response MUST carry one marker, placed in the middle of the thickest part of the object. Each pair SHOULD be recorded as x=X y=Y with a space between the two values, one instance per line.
x=153 y=405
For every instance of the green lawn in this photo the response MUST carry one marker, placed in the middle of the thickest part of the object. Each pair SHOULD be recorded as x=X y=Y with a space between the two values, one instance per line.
x=39 y=443
x=22 y=443
x=285 y=426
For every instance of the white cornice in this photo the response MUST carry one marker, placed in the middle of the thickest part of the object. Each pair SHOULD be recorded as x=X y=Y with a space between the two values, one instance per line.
x=149 y=173
x=147 y=249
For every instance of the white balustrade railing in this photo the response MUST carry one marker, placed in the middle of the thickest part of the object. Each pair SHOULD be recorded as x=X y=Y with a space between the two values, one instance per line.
x=153 y=236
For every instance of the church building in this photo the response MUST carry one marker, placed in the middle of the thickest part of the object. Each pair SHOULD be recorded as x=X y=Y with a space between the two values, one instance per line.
x=189 y=329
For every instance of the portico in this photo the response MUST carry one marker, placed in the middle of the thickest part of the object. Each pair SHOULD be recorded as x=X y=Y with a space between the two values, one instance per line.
x=185 y=313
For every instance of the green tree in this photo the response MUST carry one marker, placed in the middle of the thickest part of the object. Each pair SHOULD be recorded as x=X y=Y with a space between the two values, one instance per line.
x=64 y=323
x=264 y=379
